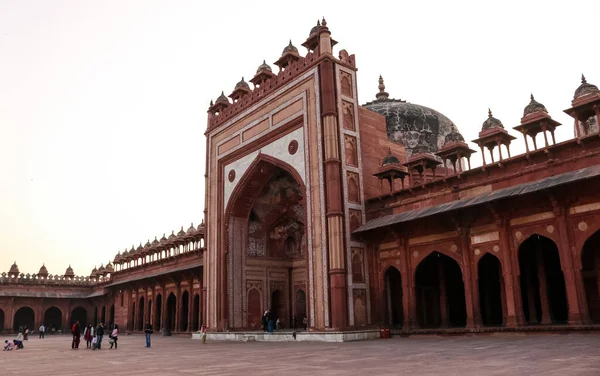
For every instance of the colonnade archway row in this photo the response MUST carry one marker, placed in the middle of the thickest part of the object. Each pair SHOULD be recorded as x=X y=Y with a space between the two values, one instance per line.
x=24 y=316
x=590 y=272
x=543 y=291
x=53 y=318
x=491 y=287
x=440 y=292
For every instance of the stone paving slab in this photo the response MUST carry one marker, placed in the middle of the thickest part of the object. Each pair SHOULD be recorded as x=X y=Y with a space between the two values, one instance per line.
x=540 y=354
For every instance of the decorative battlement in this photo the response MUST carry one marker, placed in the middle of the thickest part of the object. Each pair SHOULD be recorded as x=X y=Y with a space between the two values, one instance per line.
x=54 y=280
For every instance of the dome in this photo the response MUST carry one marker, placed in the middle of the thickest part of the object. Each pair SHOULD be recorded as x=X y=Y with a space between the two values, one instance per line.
x=69 y=272
x=454 y=136
x=181 y=232
x=534 y=106
x=172 y=236
x=94 y=272
x=290 y=48
x=109 y=267
x=201 y=225
x=101 y=269
x=43 y=271
x=390 y=159
x=315 y=28
x=264 y=67
x=191 y=230
x=410 y=123
x=14 y=269
x=491 y=122
x=139 y=249
x=155 y=241
x=585 y=88
x=222 y=99
x=147 y=245
x=242 y=84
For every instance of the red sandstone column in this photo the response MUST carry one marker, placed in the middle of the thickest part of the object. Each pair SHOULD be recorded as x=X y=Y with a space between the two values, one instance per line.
x=575 y=293
x=470 y=289
x=543 y=287
x=407 y=286
x=508 y=277
x=177 y=306
x=333 y=194
x=190 y=305
x=163 y=306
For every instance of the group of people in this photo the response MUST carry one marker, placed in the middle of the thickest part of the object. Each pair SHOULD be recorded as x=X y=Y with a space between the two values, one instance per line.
x=269 y=323
x=17 y=343
x=93 y=336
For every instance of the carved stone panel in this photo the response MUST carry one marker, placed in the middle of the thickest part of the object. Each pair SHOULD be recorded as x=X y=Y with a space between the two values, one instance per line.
x=360 y=307
x=355 y=219
x=351 y=155
x=346 y=84
x=353 y=187
x=357 y=265
x=348 y=115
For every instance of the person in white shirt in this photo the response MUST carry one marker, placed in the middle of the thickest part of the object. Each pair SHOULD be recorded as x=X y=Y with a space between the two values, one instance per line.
x=42 y=330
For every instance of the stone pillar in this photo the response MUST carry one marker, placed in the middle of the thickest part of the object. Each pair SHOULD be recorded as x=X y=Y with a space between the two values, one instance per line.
x=333 y=194
x=190 y=304
x=541 y=269
x=444 y=319
x=509 y=278
x=407 y=286
x=472 y=310
x=163 y=306
x=177 y=310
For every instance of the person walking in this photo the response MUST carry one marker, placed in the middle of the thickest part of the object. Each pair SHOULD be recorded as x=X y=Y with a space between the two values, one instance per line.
x=99 y=335
x=203 y=333
x=42 y=330
x=88 y=335
x=148 y=330
x=25 y=333
x=76 y=331
x=114 y=337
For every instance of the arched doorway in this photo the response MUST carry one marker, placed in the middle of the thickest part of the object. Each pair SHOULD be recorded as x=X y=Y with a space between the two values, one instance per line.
x=590 y=270
x=95 y=315
x=103 y=321
x=78 y=314
x=53 y=318
x=543 y=290
x=1 y=320
x=158 y=313
x=490 y=289
x=149 y=319
x=140 y=315
x=183 y=318
x=131 y=323
x=196 y=313
x=171 y=312
x=393 y=298
x=440 y=292
x=265 y=223
x=24 y=317
x=300 y=306
x=112 y=315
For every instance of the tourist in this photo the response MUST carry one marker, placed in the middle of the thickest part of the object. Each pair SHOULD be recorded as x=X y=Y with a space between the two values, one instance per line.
x=148 y=332
x=76 y=331
x=42 y=330
x=278 y=324
x=25 y=333
x=94 y=343
x=305 y=322
x=265 y=320
x=21 y=329
x=88 y=335
x=99 y=335
x=114 y=337
x=19 y=341
x=203 y=333
x=8 y=345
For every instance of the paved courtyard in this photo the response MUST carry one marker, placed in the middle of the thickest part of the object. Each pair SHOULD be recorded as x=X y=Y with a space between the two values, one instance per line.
x=540 y=354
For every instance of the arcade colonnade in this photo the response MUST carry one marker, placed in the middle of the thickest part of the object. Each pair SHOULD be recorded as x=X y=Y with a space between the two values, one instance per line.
x=547 y=273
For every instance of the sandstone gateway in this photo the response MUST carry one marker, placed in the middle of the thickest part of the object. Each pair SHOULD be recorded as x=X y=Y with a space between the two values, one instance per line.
x=356 y=217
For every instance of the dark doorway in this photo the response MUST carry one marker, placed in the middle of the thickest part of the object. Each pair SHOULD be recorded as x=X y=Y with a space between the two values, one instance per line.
x=393 y=298
x=24 y=316
x=277 y=306
x=131 y=323
x=590 y=270
x=542 y=277
x=78 y=314
x=490 y=289
x=1 y=320
x=150 y=313
x=157 y=315
x=140 y=315
x=196 y=313
x=95 y=315
x=111 y=316
x=300 y=306
x=171 y=311
x=103 y=321
x=440 y=293
x=53 y=318
x=185 y=309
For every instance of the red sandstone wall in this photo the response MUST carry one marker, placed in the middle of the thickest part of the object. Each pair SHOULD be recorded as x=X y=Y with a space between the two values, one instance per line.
x=374 y=145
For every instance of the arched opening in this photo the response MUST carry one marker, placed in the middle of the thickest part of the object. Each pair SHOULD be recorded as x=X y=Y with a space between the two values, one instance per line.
x=1 y=320
x=183 y=318
x=196 y=313
x=300 y=306
x=490 y=289
x=149 y=319
x=103 y=315
x=53 y=318
x=96 y=315
x=171 y=312
x=440 y=292
x=590 y=270
x=111 y=317
x=77 y=314
x=131 y=323
x=140 y=315
x=158 y=313
x=265 y=224
x=543 y=290
x=393 y=298
x=254 y=309
x=24 y=317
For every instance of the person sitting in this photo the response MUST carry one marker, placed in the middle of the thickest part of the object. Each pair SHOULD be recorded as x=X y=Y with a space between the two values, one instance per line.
x=8 y=346
x=19 y=341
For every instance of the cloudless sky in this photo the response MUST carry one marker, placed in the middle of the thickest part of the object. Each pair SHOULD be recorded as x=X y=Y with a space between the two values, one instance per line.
x=103 y=103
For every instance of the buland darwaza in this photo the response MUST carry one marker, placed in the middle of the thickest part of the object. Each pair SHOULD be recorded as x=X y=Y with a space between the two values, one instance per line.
x=357 y=217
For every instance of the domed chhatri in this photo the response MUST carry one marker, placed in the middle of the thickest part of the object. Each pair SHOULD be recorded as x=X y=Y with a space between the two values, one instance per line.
x=453 y=136
x=94 y=272
x=69 y=272
x=14 y=269
x=181 y=232
x=191 y=230
x=222 y=99
x=43 y=271
x=491 y=122
x=534 y=106
x=290 y=48
x=410 y=123
x=242 y=84
x=315 y=29
x=585 y=88
x=264 y=67
x=390 y=159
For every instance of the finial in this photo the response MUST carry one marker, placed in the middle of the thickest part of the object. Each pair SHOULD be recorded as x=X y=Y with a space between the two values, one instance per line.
x=155 y=238
x=202 y=220
x=181 y=228
x=211 y=103
x=192 y=225
x=532 y=97
x=583 y=81
x=381 y=85
x=324 y=23
x=489 y=113
x=173 y=232
x=389 y=150
x=318 y=23
x=264 y=61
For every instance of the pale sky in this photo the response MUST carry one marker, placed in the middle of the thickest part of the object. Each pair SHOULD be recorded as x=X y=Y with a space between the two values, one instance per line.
x=103 y=103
